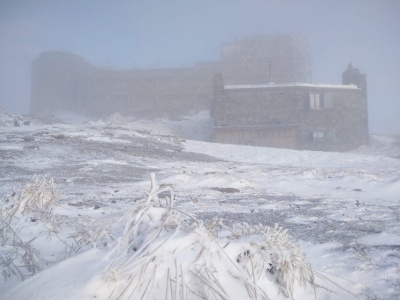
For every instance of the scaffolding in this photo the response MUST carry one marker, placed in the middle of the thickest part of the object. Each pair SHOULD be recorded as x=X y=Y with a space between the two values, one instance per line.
x=264 y=59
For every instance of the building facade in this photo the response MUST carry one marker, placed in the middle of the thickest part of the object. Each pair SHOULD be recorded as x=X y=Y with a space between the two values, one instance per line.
x=58 y=81
x=295 y=116
x=64 y=81
x=261 y=95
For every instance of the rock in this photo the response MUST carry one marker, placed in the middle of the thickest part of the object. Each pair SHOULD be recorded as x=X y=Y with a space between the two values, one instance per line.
x=225 y=190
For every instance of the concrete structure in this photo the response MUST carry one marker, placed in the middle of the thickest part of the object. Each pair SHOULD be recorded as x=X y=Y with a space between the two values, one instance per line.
x=63 y=81
x=293 y=115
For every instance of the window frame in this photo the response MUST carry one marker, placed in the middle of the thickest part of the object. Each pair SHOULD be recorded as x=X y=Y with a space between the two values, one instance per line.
x=316 y=101
x=323 y=135
x=320 y=100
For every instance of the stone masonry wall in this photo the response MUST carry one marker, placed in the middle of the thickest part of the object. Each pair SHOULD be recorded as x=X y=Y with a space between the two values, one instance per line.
x=344 y=122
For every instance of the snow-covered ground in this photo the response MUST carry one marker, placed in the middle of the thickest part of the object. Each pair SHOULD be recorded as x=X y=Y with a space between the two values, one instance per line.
x=343 y=209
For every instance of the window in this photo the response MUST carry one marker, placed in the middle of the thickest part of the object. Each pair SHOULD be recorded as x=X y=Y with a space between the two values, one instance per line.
x=317 y=101
x=320 y=135
x=321 y=100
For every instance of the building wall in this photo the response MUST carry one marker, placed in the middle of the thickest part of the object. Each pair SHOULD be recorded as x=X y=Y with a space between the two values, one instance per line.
x=288 y=121
x=63 y=81
x=57 y=81
x=131 y=91
x=344 y=122
x=276 y=137
x=257 y=106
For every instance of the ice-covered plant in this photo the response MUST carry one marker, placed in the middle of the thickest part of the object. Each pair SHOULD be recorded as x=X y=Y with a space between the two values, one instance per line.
x=31 y=210
x=33 y=201
x=36 y=199
x=167 y=254
x=17 y=257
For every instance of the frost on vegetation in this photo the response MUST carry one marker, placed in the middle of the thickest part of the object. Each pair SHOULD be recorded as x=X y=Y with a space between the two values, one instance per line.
x=37 y=197
x=35 y=202
x=160 y=253
x=167 y=254
x=26 y=218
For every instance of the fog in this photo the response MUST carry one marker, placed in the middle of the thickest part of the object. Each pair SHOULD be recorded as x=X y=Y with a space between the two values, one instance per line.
x=148 y=34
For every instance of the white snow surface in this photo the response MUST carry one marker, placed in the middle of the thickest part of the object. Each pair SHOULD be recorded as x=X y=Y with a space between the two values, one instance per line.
x=342 y=209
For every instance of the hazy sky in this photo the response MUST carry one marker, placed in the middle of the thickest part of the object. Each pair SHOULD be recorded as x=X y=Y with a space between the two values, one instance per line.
x=172 y=33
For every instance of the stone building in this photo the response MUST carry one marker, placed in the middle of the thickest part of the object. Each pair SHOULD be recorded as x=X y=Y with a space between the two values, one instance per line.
x=262 y=96
x=58 y=81
x=293 y=115
x=64 y=81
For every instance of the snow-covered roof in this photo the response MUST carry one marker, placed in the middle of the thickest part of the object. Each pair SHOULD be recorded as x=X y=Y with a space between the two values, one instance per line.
x=256 y=127
x=287 y=85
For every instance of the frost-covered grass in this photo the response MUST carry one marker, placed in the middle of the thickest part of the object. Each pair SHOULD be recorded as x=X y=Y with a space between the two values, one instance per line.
x=164 y=253
x=33 y=237
x=34 y=202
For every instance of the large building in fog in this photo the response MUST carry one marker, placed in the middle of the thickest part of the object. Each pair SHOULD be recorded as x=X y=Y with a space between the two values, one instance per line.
x=293 y=115
x=64 y=81
x=261 y=96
